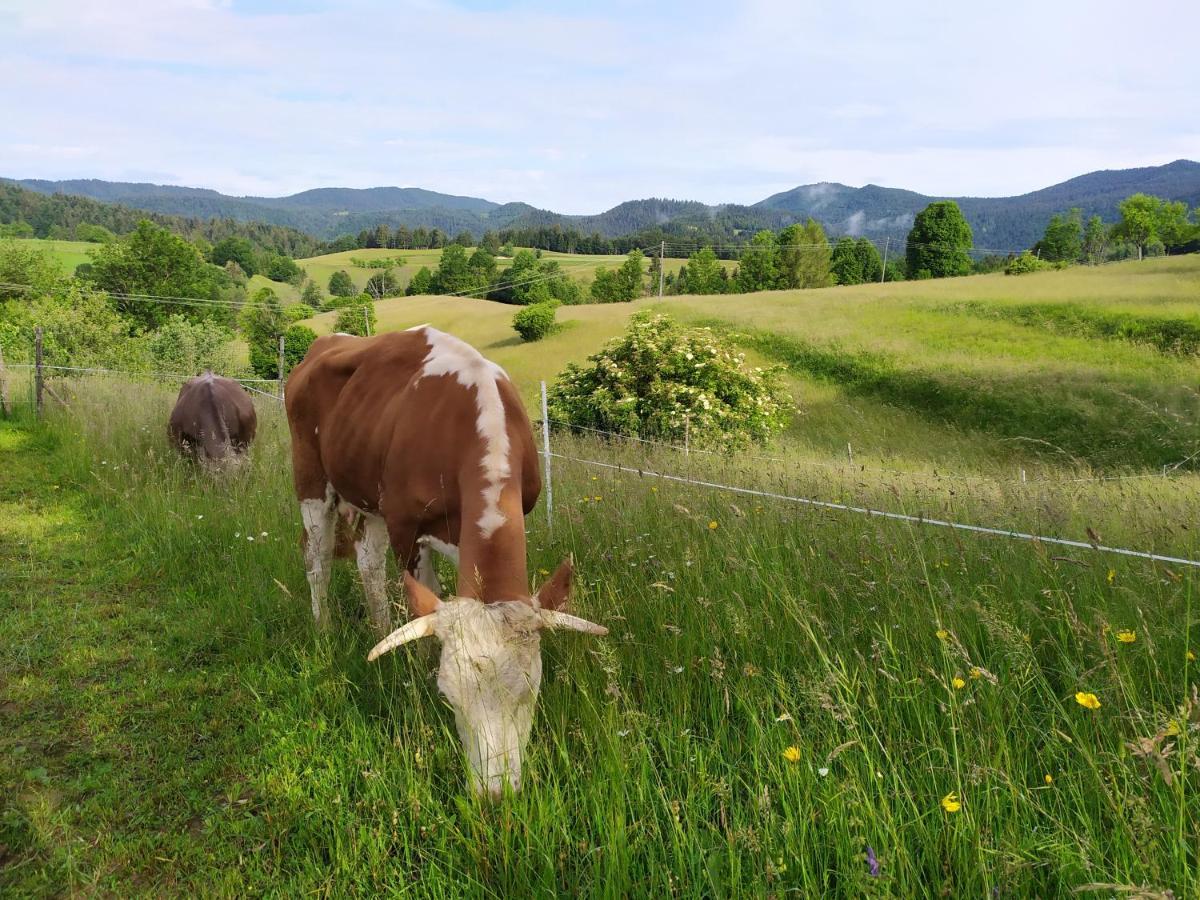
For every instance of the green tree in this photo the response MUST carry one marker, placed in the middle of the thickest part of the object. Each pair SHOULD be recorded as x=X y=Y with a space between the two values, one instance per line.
x=758 y=269
x=464 y=239
x=262 y=321
x=490 y=242
x=483 y=265
x=631 y=275
x=1094 y=243
x=238 y=250
x=340 y=284
x=382 y=284
x=96 y=234
x=296 y=341
x=702 y=274
x=1140 y=214
x=422 y=282
x=804 y=256
x=278 y=267
x=855 y=261
x=535 y=321
x=454 y=275
x=939 y=242
x=26 y=266
x=1172 y=226
x=153 y=261
x=357 y=318
x=191 y=347
x=1063 y=240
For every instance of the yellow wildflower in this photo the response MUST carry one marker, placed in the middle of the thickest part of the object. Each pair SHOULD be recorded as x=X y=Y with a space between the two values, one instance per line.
x=792 y=754
x=1191 y=656
x=950 y=803
x=712 y=526
x=1126 y=637
x=976 y=672
x=543 y=571
x=1112 y=574
x=958 y=683
x=1049 y=779
x=943 y=634
x=597 y=498
x=1087 y=700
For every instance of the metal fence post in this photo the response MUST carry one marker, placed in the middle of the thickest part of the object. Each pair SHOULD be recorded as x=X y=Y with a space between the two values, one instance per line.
x=38 y=377
x=546 y=457
x=282 y=363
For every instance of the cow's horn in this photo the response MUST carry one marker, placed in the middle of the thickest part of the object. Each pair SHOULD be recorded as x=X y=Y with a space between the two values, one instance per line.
x=553 y=619
x=409 y=631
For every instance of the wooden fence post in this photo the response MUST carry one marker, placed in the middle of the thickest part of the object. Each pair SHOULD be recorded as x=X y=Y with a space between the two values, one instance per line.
x=546 y=456
x=5 y=409
x=38 y=377
x=282 y=363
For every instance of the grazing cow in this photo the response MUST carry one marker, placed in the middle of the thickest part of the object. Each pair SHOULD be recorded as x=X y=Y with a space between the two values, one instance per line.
x=428 y=442
x=213 y=418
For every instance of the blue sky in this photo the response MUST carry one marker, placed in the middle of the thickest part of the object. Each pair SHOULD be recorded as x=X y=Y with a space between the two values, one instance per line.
x=575 y=106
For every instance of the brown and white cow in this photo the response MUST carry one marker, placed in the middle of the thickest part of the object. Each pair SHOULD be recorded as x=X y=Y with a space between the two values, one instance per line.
x=428 y=441
x=213 y=418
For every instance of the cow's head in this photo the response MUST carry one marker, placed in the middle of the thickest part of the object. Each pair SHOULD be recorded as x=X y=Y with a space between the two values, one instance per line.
x=491 y=667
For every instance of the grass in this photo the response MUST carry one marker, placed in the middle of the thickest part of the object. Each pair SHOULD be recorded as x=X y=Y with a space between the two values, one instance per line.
x=171 y=724
x=68 y=254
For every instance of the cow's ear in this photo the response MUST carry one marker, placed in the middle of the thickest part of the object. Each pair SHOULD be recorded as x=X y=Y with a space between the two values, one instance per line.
x=421 y=600
x=555 y=592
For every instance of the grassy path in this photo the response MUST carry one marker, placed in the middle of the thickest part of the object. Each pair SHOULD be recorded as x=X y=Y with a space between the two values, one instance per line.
x=116 y=748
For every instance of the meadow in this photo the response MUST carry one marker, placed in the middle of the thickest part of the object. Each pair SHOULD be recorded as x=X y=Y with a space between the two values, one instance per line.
x=791 y=699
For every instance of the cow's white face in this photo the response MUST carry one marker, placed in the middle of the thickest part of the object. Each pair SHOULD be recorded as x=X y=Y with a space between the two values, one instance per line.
x=490 y=673
x=491 y=668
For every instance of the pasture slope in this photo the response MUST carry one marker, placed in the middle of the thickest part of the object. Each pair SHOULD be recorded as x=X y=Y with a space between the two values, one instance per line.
x=790 y=701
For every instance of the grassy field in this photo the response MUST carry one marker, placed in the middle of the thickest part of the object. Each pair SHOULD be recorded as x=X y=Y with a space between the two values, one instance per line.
x=901 y=374
x=68 y=254
x=790 y=700
x=319 y=268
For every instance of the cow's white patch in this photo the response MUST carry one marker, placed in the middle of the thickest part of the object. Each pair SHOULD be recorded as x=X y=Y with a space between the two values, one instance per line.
x=343 y=334
x=450 y=356
x=490 y=672
x=371 y=552
x=426 y=574
x=320 y=520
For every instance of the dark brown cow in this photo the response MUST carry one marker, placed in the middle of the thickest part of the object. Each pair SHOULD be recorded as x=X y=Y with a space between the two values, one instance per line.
x=213 y=418
x=428 y=442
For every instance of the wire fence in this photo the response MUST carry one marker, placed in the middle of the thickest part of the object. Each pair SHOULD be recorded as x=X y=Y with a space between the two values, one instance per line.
x=548 y=454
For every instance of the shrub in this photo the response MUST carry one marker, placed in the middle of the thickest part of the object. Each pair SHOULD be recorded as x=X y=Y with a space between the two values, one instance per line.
x=296 y=341
x=353 y=318
x=661 y=379
x=1025 y=263
x=191 y=347
x=534 y=322
x=295 y=312
x=96 y=234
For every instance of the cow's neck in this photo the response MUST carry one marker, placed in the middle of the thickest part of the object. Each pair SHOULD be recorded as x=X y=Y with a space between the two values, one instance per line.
x=492 y=568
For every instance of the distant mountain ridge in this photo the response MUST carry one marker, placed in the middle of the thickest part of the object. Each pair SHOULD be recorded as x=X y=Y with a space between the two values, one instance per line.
x=1000 y=223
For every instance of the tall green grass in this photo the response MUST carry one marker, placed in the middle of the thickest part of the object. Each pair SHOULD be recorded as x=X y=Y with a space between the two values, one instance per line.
x=1167 y=334
x=185 y=731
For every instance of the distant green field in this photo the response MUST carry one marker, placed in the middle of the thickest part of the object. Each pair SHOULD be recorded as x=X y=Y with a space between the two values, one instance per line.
x=67 y=254
x=892 y=371
x=320 y=268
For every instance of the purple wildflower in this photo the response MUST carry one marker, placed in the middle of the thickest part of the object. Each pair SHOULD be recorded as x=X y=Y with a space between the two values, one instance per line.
x=872 y=862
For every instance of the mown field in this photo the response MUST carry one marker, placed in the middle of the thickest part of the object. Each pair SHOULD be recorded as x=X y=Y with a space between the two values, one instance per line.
x=791 y=700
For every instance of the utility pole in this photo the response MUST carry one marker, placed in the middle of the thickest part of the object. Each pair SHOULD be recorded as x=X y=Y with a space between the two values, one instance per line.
x=366 y=321
x=662 y=252
x=883 y=273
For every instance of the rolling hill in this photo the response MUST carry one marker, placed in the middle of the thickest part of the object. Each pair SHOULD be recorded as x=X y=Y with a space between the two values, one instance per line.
x=1002 y=223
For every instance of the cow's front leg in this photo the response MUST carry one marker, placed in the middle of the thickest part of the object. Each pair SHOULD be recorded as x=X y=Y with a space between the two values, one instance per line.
x=320 y=530
x=371 y=551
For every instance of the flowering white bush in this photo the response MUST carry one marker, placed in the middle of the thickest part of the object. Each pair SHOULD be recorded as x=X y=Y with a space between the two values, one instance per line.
x=662 y=379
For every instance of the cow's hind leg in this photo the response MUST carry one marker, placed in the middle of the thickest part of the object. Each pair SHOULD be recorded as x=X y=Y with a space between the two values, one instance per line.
x=320 y=531
x=371 y=550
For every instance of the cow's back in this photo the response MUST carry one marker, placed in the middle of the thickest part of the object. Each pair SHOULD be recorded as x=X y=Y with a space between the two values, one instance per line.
x=212 y=416
x=365 y=415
